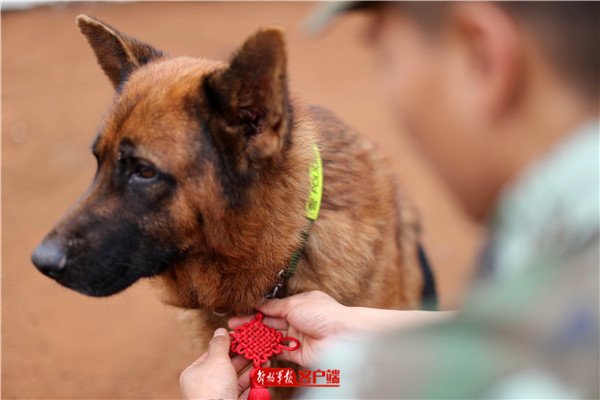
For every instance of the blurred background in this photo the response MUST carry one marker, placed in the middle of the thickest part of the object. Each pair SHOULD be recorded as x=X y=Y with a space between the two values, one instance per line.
x=60 y=344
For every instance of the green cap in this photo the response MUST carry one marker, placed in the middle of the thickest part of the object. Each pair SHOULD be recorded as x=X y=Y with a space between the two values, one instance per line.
x=324 y=13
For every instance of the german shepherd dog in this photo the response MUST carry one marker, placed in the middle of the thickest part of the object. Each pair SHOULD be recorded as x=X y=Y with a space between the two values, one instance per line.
x=202 y=184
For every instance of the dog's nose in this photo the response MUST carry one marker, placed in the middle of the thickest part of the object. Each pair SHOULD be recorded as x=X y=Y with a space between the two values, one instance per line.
x=50 y=258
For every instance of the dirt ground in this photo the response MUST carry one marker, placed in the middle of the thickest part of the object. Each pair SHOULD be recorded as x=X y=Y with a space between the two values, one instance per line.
x=59 y=344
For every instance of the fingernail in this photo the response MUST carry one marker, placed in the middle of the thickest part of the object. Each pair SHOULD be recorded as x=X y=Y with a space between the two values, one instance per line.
x=220 y=332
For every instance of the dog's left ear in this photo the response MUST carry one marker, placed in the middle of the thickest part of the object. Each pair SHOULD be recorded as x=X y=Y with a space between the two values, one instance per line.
x=117 y=54
x=248 y=101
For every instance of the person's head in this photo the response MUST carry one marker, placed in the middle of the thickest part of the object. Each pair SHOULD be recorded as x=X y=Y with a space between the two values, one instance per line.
x=486 y=87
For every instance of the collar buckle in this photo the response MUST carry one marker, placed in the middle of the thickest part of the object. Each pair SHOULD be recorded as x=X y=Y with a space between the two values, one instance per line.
x=273 y=292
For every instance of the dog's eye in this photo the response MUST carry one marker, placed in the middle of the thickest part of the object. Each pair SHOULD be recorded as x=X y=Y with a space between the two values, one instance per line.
x=144 y=171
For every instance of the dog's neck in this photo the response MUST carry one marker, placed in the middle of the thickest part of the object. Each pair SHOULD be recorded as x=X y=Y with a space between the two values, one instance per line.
x=254 y=243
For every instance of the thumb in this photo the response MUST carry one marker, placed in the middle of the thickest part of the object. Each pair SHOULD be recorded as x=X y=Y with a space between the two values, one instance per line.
x=219 y=345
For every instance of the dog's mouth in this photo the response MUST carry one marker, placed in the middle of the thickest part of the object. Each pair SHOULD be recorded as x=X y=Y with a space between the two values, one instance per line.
x=95 y=274
x=96 y=286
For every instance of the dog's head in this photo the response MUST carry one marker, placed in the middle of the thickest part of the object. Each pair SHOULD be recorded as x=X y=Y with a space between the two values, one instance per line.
x=183 y=146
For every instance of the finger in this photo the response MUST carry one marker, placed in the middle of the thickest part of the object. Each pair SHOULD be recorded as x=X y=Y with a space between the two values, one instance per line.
x=239 y=363
x=239 y=321
x=283 y=356
x=219 y=345
x=275 y=307
x=273 y=322
x=244 y=381
x=245 y=394
x=282 y=307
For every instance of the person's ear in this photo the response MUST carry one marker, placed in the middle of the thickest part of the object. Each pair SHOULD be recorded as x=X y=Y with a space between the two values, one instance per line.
x=248 y=101
x=490 y=39
x=117 y=54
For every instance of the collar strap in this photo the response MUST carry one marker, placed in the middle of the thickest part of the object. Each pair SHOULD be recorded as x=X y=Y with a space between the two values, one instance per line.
x=313 y=205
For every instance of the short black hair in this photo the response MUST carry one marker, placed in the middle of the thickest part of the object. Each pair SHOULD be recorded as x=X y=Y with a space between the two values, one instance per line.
x=568 y=34
x=567 y=31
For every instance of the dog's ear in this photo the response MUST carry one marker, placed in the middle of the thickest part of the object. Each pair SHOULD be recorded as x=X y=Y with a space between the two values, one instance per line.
x=117 y=54
x=248 y=101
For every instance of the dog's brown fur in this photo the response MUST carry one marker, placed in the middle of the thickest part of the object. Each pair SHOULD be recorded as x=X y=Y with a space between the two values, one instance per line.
x=239 y=150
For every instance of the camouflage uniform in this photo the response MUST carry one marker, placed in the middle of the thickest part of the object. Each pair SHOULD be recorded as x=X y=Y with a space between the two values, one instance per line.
x=530 y=326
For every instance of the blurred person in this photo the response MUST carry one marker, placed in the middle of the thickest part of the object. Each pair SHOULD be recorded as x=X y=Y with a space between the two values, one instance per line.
x=503 y=98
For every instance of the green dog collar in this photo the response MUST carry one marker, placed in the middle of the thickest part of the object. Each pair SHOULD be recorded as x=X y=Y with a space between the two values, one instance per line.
x=313 y=206
x=316 y=186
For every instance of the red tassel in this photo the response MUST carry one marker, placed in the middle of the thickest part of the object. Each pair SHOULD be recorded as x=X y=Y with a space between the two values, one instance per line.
x=257 y=392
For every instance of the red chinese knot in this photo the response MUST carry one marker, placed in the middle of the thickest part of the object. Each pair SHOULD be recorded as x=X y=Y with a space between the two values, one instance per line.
x=257 y=342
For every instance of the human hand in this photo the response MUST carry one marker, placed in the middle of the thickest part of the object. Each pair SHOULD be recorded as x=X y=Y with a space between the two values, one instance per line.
x=215 y=375
x=314 y=318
